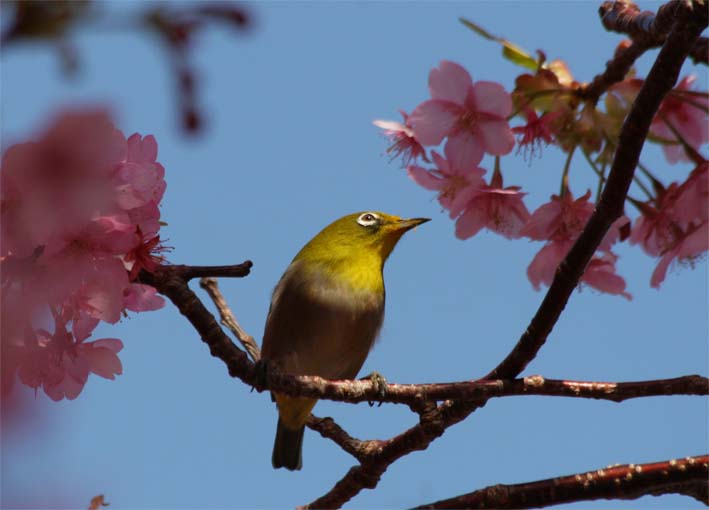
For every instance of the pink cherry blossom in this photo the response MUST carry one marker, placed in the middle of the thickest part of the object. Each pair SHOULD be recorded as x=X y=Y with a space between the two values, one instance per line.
x=686 y=114
x=560 y=222
x=543 y=266
x=141 y=298
x=561 y=219
x=496 y=208
x=61 y=365
x=686 y=250
x=145 y=255
x=472 y=115
x=674 y=225
x=80 y=220
x=455 y=184
x=537 y=130
x=692 y=205
x=675 y=211
x=599 y=274
x=50 y=188
x=404 y=143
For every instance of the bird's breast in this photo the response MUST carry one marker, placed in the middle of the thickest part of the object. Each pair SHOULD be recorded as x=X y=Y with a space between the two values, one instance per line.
x=319 y=325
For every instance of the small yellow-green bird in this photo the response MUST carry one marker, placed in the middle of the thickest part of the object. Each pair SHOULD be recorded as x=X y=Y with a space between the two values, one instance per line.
x=326 y=312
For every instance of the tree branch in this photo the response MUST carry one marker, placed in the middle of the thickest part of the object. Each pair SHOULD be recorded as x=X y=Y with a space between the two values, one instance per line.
x=362 y=390
x=235 y=271
x=228 y=318
x=172 y=282
x=647 y=28
x=328 y=429
x=616 y=70
x=629 y=481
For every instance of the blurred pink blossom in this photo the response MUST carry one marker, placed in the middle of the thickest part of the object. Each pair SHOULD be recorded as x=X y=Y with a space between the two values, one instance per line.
x=61 y=365
x=472 y=115
x=686 y=114
x=80 y=218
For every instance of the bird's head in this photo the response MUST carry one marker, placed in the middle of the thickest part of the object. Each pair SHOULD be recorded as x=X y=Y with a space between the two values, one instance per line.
x=366 y=237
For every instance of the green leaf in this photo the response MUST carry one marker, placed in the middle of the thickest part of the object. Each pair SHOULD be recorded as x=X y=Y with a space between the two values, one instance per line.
x=518 y=56
x=510 y=51
x=479 y=30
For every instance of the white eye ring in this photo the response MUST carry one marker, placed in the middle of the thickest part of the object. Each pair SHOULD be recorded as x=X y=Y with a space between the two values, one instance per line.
x=368 y=219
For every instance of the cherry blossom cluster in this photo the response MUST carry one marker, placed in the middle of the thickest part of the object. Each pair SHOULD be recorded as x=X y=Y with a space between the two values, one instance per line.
x=470 y=119
x=80 y=219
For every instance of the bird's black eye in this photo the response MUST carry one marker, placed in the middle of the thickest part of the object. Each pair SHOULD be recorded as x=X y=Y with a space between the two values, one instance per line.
x=368 y=219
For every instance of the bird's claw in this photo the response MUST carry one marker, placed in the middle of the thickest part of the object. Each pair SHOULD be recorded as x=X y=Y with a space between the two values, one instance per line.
x=379 y=383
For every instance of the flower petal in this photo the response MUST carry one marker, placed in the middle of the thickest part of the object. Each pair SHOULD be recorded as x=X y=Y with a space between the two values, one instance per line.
x=141 y=298
x=658 y=275
x=449 y=82
x=497 y=136
x=470 y=222
x=432 y=120
x=464 y=151
x=104 y=362
x=544 y=264
x=491 y=97
x=424 y=178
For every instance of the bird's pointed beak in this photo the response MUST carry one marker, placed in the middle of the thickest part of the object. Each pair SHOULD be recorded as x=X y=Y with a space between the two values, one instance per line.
x=410 y=223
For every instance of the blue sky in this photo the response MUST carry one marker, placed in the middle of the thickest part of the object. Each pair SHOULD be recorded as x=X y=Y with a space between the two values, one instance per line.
x=289 y=148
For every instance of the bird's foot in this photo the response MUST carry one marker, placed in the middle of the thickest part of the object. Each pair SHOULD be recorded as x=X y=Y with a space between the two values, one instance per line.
x=379 y=383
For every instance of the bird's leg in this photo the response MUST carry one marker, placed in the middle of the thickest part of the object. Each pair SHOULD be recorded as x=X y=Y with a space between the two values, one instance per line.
x=379 y=383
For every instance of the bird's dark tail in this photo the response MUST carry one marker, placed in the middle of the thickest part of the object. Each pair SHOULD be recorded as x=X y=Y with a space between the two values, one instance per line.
x=288 y=448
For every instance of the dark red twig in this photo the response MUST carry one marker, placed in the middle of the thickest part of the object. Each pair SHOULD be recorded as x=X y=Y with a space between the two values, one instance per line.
x=616 y=70
x=629 y=481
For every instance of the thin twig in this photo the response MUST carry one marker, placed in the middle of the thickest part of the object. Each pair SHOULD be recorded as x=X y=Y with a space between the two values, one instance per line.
x=328 y=429
x=228 y=318
x=234 y=271
x=616 y=70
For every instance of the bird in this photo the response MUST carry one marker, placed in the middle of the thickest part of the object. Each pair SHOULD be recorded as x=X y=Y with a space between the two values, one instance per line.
x=326 y=312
